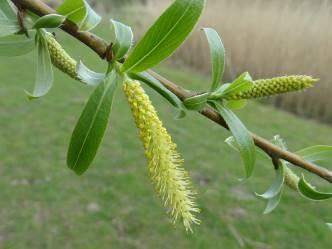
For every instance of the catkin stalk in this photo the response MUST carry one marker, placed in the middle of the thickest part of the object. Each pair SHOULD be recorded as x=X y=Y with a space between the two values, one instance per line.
x=60 y=58
x=275 y=86
x=168 y=176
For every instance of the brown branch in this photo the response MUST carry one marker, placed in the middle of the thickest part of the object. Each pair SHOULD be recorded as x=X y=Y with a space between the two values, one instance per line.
x=100 y=47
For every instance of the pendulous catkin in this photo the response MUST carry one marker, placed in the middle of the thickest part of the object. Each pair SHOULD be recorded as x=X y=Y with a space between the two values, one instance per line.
x=291 y=179
x=169 y=178
x=275 y=86
x=60 y=58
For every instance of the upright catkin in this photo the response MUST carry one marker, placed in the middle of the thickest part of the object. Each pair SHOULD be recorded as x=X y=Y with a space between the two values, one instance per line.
x=168 y=176
x=275 y=86
x=60 y=58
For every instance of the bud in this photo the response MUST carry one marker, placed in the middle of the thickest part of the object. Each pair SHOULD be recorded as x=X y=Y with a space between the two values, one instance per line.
x=291 y=179
x=60 y=58
x=169 y=178
x=274 y=86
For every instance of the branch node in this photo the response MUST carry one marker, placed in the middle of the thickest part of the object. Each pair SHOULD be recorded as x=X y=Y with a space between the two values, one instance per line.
x=108 y=55
x=276 y=161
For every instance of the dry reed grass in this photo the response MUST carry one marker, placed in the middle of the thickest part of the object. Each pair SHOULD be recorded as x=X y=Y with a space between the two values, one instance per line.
x=266 y=38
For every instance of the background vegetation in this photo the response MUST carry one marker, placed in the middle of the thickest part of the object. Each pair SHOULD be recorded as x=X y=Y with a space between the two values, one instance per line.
x=265 y=38
x=268 y=38
x=44 y=205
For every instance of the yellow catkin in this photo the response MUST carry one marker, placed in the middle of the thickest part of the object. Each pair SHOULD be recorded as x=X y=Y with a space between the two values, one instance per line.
x=168 y=176
x=291 y=179
x=275 y=86
x=60 y=58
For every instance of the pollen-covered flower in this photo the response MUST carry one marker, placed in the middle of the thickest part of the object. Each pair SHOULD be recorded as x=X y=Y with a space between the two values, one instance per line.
x=60 y=58
x=275 y=86
x=164 y=163
x=291 y=179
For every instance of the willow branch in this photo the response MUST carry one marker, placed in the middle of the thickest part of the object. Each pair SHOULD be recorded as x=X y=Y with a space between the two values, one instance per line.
x=100 y=47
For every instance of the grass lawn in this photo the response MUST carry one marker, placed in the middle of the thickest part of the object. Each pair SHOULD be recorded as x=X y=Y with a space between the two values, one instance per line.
x=43 y=205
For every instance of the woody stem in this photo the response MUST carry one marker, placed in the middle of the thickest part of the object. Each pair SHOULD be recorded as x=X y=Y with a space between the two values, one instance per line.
x=100 y=47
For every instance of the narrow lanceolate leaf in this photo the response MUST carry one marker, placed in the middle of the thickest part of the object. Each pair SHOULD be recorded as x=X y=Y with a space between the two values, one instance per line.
x=91 y=19
x=242 y=137
x=276 y=185
x=197 y=102
x=80 y=12
x=87 y=76
x=165 y=35
x=273 y=203
x=217 y=51
x=8 y=26
x=91 y=126
x=123 y=39
x=310 y=192
x=274 y=193
x=16 y=45
x=49 y=21
x=158 y=87
x=6 y=11
x=230 y=141
x=243 y=83
x=236 y=104
x=44 y=73
x=317 y=153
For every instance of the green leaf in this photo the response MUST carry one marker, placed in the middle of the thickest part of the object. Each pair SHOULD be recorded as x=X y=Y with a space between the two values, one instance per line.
x=16 y=45
x=87 y=76
x=236 y=104
x=273 y=203
x=49 y=21
x=276 y=186
x=197 y=102
x=80 y=12
x=44 y=73
x=160 y=88
x=8 y=27
x=274 y=193
x=230 y=141
x=310 y=192
x=91 y=20
x=217 y=51
x=91 y=126
x=165 y=35
x=241 y=136
x=243 y=83
x=8 y=20
x=123 y=39
x=317 y=153
x=218 y=94
x=6 y=11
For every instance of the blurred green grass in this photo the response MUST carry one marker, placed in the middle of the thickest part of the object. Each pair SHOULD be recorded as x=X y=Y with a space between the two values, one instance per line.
x=44 y=205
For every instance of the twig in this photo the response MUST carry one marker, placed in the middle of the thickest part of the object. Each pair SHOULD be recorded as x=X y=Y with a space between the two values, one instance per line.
x=100 y=47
